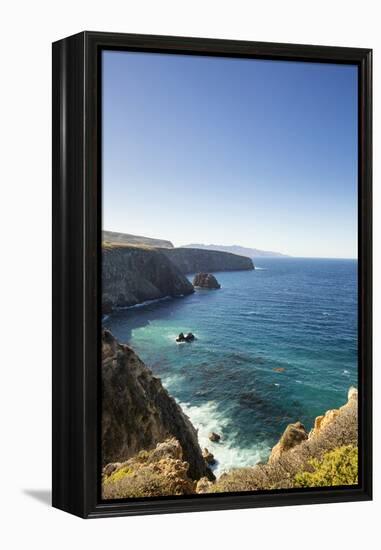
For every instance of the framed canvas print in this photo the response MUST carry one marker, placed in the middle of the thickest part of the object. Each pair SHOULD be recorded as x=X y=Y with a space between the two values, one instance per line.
x=211 y=274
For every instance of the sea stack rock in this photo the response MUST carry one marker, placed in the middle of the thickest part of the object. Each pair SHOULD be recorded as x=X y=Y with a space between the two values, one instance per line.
x=185 y=337
x=205 y=280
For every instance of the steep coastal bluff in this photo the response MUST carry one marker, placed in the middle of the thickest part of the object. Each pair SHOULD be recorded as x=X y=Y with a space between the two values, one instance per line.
x=192 y=260
x=138 y=413
x=135 y=274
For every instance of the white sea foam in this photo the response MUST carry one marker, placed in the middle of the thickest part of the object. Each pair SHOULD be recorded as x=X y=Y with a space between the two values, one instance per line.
x=249 y=313
x=146 y=303
x=172 y=381
x=206 y=418
x=260 y=268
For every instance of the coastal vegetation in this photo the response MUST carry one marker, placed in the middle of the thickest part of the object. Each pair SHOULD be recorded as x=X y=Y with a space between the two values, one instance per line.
x=338 y=467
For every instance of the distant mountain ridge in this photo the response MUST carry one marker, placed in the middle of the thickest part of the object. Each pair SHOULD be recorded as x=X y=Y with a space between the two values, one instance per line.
x=240 y=250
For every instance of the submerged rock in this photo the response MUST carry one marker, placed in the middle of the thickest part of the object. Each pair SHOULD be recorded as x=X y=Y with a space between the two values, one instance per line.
x=214 y=437
x=206 y=280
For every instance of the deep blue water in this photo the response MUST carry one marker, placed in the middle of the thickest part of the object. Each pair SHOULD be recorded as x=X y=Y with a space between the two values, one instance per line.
x=299 y=315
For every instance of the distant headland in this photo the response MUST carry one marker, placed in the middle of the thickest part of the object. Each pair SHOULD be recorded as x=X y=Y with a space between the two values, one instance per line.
x=240 y=250
x=139 y=269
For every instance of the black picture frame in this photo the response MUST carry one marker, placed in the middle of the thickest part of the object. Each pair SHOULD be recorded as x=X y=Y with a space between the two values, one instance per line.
x=76 y=271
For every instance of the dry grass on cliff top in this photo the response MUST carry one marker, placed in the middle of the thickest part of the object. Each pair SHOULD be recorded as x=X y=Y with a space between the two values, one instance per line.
x=107 y=245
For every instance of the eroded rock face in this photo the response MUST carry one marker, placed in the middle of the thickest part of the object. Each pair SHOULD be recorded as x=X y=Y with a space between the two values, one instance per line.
x=203 y=485
x=159 y=472
x=324 y=421
x=132 y=275
x=137 y=411
x=293 y=435
x=206 y=280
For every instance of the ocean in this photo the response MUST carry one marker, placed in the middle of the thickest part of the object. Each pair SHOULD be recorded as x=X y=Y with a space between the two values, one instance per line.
x=273 y=346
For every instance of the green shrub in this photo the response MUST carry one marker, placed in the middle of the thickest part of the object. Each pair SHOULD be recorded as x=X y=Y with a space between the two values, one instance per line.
x=338 y=467
x=118 y=475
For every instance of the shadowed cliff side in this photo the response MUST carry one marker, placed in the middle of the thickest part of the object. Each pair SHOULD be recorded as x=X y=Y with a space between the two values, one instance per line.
x=138 y=413
x=135 y=274
x=192 y=260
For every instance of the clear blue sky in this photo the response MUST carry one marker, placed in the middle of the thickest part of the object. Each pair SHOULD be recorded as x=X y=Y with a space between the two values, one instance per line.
x=231 y=151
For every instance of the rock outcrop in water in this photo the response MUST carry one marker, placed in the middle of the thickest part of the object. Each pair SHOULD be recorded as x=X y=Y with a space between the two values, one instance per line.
x=189 y=337
x=135 y=274
x=206 y=280
x=193 y=260
x=138 y=413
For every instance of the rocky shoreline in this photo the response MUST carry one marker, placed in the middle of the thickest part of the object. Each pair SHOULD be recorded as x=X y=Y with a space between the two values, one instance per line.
x=151 y=448
x=136 y=273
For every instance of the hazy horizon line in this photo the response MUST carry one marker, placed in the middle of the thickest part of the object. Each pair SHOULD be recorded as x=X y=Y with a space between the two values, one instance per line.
x=283 y=256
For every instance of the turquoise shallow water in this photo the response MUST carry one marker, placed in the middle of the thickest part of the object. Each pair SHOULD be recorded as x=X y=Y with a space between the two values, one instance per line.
x=299 y=315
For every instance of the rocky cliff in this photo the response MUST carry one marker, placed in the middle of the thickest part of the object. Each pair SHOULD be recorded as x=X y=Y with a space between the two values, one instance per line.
x=298 y=453
x=192 y=260
x=135 y=274
x=159 y=472
x=138 y=413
